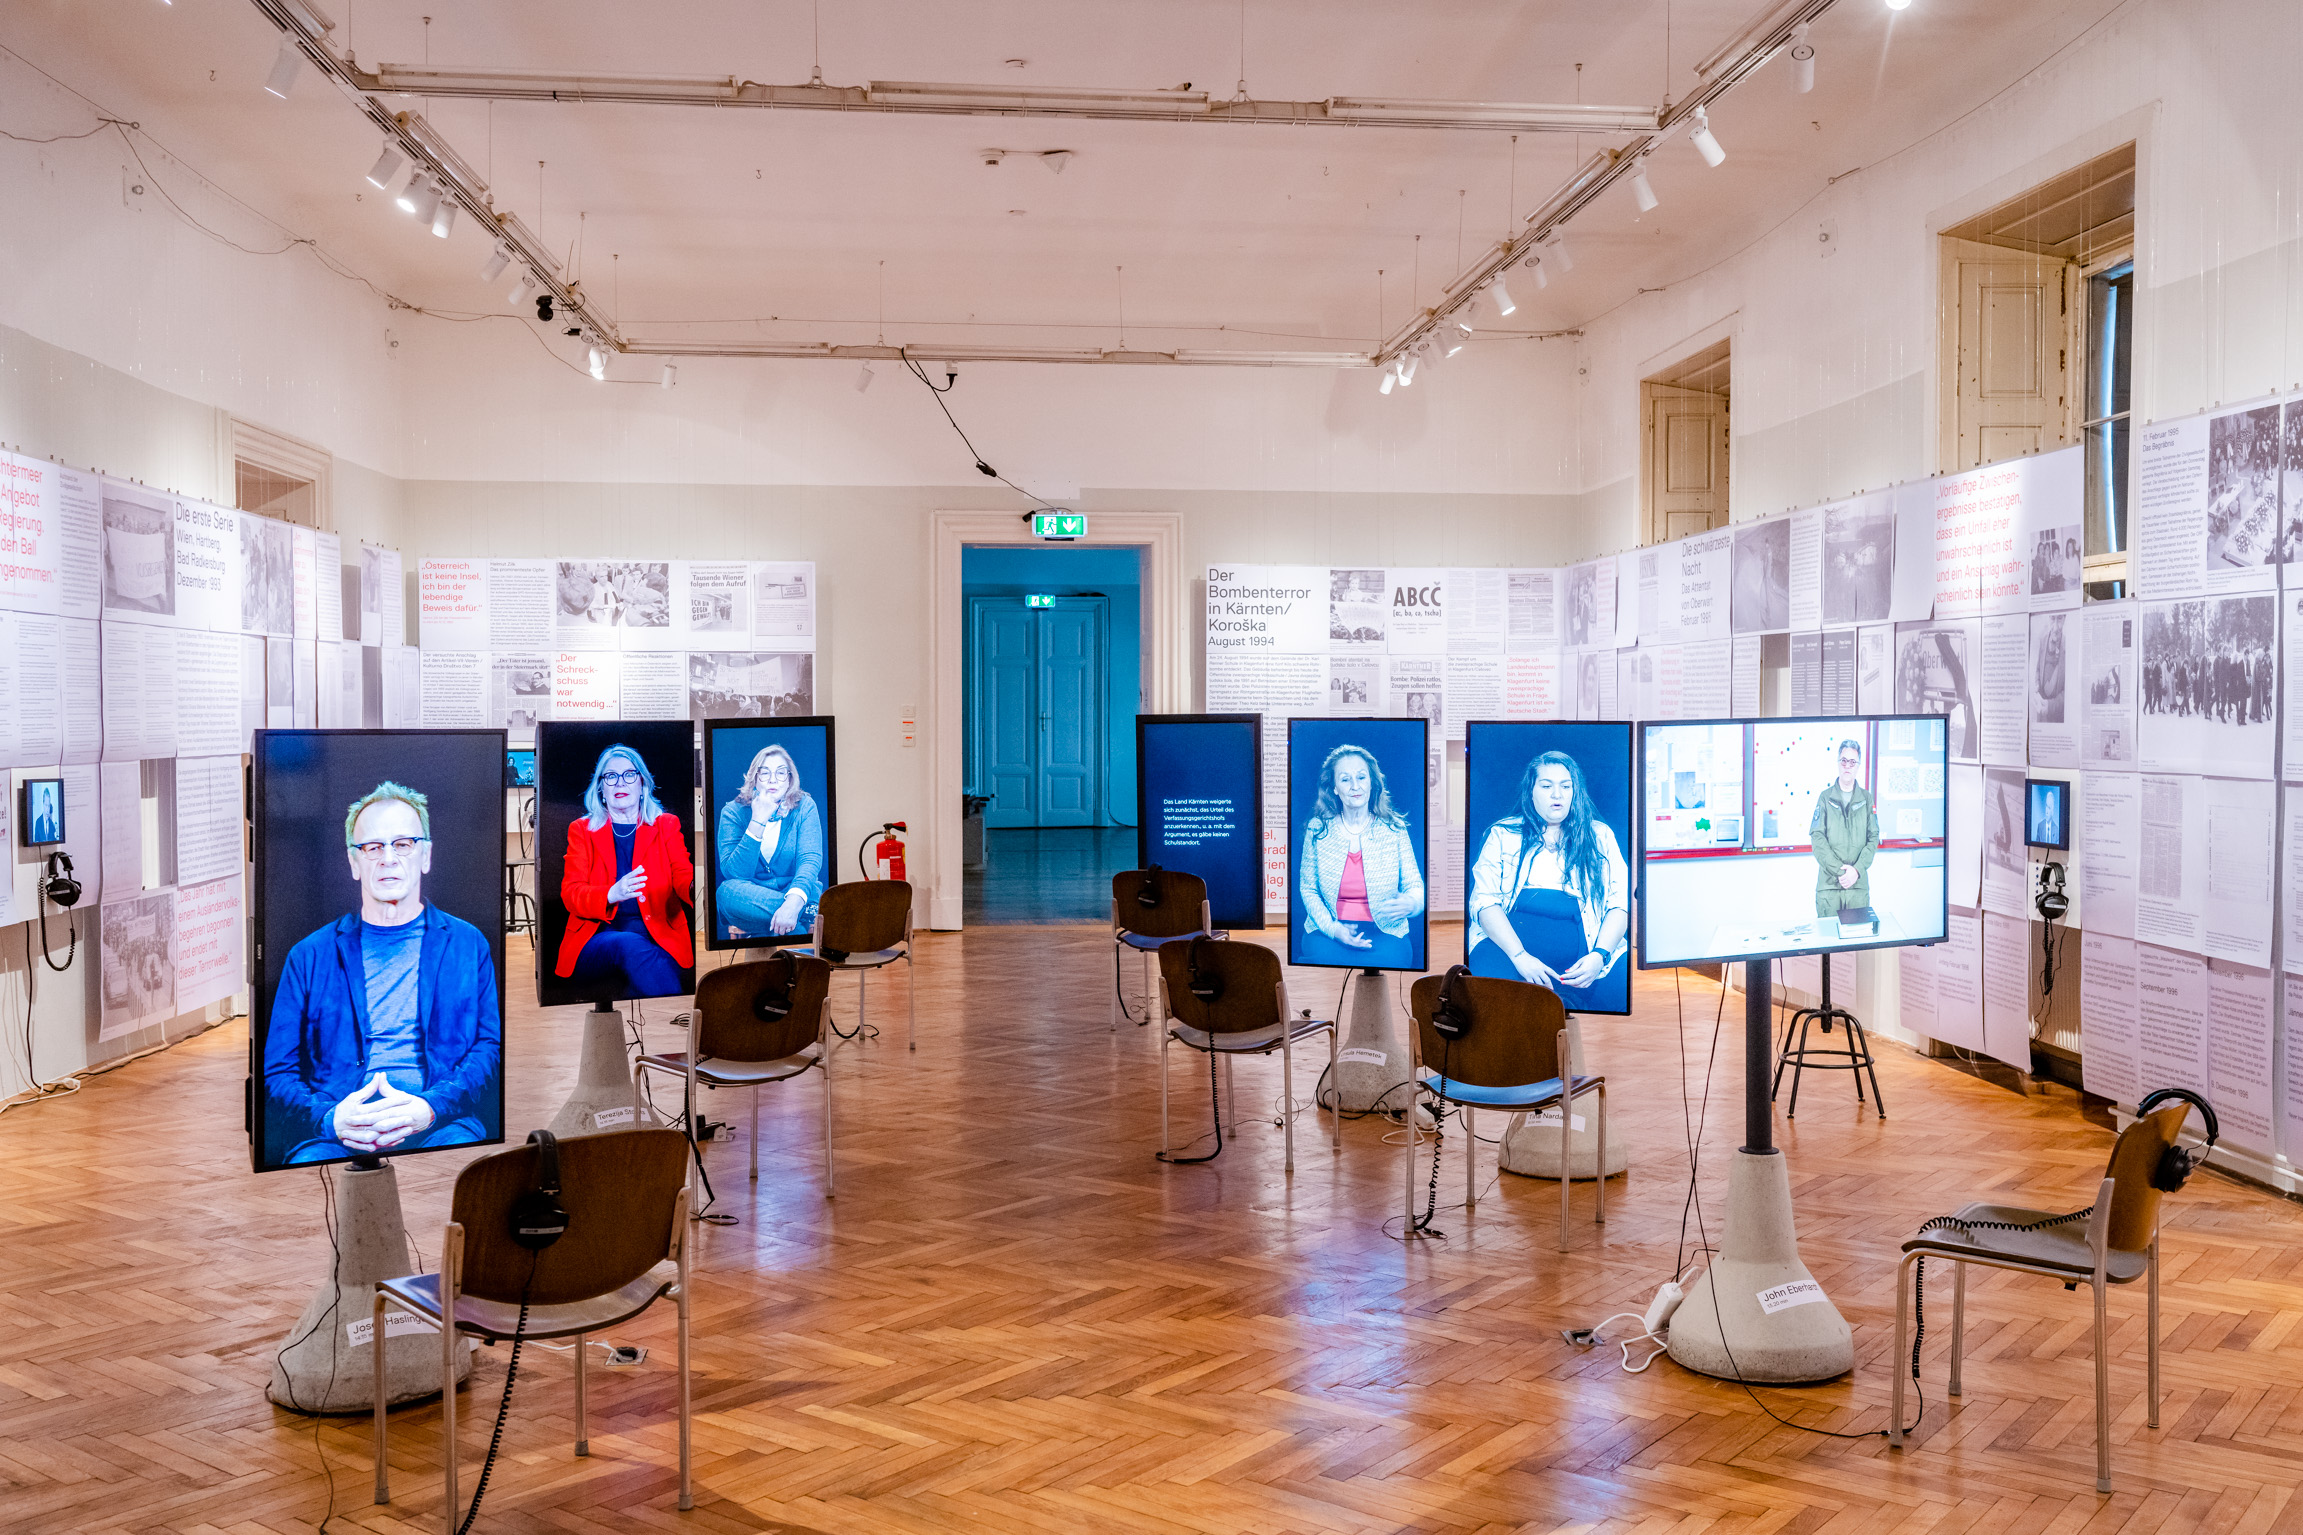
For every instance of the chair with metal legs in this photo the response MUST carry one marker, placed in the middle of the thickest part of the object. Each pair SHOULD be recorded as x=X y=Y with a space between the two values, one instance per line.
x=864 y=925
x=1227 y=1000
x=1518 y=1055
x=755 y=1023
x=1151 y=907
x=2118 y=1244
x=624 y=1249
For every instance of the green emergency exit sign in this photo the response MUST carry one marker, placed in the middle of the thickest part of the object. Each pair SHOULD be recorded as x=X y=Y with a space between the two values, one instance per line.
x=1039 y=599
x=1059 y=525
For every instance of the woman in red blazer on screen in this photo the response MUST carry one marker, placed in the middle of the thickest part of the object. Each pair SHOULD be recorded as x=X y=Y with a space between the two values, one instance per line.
x=629 y=886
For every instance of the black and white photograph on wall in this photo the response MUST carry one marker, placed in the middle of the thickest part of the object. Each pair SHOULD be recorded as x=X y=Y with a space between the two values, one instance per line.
x=371 y=686
x=751 y=684
x=139 y=550
x=1354 y=684
x=1530 y=608
x=267 y=576
x=590 y=597
x=2243 y=489
x=2006 y=856
x=2051 y=658
x=1356 y=604
x=1932 y=676
x=279 y=684
x=371 y=595
x=2291 y=483
x=2055 y=562
x=1759 y=586
x=2107 y=706
x=1583 y=606
x=1588 y=687
x=719 y=598
x=136 y=962
x=2208 y=685
x=783 y=601
x=1858 y=561
x=519 y=693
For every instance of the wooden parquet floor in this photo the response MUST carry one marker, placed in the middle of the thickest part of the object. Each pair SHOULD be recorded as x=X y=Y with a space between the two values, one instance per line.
x=1014 y=1320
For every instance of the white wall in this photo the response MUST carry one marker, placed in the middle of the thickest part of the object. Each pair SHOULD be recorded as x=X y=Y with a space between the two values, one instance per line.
x=1835 y=357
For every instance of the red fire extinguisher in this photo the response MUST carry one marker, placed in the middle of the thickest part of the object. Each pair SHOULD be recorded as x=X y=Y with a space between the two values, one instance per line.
x=887 y=853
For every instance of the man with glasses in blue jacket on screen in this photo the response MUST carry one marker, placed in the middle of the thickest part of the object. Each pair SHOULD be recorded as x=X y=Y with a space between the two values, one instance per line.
x=385 y=1032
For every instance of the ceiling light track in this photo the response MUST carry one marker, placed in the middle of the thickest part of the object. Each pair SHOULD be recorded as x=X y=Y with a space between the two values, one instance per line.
x=433 y=159
x=1133 y=357
x=1001 y=101
x=1723 y=72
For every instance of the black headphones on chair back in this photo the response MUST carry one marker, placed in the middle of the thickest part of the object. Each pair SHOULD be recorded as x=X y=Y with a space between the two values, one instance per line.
x=1450 y=1019
x=1147 y=892
x=773 y=1000
x=2178 y=1162
x=537 y=1219
x=1206 y=985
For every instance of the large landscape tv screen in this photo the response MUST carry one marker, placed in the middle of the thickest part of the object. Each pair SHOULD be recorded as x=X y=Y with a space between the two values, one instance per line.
x=1767 y=837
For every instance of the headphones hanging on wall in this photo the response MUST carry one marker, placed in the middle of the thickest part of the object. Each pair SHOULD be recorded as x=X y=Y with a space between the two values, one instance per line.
x=773 y=1000
x=58 y=884
x=2178 y=1162
x=1147 y=893
x=537 y=1219
x=1206 y=985
x=2051 y=900
x=1450 y=1019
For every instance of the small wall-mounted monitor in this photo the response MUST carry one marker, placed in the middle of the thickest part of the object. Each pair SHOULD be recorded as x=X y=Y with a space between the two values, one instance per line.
x=2047 y=813
x=520 y=768
x=43 y=812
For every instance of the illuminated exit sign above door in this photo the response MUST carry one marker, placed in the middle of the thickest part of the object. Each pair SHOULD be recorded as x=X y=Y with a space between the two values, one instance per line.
x=1039 y=599
x=1059 y=525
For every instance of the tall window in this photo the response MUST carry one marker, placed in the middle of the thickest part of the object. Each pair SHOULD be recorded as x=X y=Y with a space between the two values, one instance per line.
x=2110 y=347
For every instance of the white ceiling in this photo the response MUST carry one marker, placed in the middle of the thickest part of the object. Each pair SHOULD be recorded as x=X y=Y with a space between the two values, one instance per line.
x=779 y=225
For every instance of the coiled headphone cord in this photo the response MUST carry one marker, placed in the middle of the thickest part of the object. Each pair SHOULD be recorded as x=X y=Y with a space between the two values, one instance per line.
x=1919 y=1277
x=1438 y=1138
x=1215 y=1101
x=504 y=1407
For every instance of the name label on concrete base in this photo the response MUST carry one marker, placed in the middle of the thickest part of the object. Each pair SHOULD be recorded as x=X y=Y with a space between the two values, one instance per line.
x=1358 y=1057
x=1799 y=1292
x=397 y=1324
x=609 y=1119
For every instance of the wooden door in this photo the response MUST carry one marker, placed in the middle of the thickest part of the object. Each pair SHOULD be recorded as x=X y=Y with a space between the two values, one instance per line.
x=1687 y=461
x=2012 y=369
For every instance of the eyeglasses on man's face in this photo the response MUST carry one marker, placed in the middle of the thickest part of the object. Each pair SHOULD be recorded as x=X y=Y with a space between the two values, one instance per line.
x=622 y=779
x=399 y=847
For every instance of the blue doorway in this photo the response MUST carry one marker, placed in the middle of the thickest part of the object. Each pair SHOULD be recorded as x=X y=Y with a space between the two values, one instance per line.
x=1051 y=680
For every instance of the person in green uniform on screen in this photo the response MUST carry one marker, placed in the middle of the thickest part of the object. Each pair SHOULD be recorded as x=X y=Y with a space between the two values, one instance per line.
x=1845 y=833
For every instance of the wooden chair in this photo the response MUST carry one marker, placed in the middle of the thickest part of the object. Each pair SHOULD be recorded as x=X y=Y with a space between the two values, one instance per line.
x=627 y=1204
x=734 y=1046
x=1151 y=907
x=863 y=925
x=1249 y=1017
x=2117 y=1244
x=1518 y=1058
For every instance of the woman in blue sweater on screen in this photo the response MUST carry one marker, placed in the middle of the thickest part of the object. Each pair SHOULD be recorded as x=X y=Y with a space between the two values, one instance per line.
x=770 y=847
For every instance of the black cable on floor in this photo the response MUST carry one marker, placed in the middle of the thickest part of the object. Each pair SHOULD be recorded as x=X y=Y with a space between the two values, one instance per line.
x=1215 y=1101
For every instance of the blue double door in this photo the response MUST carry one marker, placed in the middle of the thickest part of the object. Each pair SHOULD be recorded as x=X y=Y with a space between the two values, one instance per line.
x=1035 y=709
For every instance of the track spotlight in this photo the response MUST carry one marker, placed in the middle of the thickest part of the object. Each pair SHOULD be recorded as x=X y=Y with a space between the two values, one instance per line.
x=1407 y=370
x=1390 y=375
x=285 y=69
x=671 y=376
x=1700 y=136
x=1500 y=296
x=386 y=167
x=1542 y=278
x=493 y=267
x=1899 y=5
x=864 y=379
x=423 y=200
x=1640 y=189
x=444 y=217
x=1560 y=253
x=521 y=289
x=1462 y=319
x=1802 y=60
x=1449 y=344
x=406 y=201
x=596 y=358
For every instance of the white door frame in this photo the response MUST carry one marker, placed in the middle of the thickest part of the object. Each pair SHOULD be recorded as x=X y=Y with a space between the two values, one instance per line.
x=1166 y=658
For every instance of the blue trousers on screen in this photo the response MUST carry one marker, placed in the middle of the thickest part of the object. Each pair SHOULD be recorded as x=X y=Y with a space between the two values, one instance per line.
x=750 y=906
x=628 y=961
x=456 y=1132
x=1384 y=953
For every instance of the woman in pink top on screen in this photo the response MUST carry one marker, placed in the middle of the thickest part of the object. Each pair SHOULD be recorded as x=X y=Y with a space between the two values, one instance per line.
x=1358 y=878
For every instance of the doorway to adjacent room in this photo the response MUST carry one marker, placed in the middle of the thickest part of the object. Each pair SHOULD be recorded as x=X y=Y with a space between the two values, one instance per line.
x=1051 y=683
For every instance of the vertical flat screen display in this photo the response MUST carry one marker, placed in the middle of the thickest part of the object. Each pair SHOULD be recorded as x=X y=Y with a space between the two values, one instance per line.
x=1761 y=838
x=615 y=875
x=773 y=841
x=1199 y=807
x=378 y=1024
x=1547 y=846
x=1357 y=796
x=43 y=811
